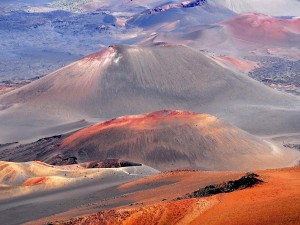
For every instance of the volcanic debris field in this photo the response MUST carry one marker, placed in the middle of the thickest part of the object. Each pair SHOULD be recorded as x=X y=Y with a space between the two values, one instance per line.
x=129 y=112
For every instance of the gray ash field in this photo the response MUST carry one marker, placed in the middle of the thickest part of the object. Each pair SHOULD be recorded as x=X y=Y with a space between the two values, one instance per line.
x=34 y=44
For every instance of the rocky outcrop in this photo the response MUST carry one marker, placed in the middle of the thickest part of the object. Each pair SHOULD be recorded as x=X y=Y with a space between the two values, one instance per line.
x=249 y=180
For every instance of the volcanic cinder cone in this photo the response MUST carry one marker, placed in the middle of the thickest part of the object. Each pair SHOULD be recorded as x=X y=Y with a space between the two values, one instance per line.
x=123 y=80
x=167 y=140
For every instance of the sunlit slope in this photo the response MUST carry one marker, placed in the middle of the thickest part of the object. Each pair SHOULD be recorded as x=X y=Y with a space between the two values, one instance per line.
x=17 y=179
x=122 y=80
x=269 y=7
x=168 y=140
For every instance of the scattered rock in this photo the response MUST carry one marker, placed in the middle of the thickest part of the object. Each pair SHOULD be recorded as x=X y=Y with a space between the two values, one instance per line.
x=249 y=180
x=109 y=163
x=293 y=146
x=65 y=161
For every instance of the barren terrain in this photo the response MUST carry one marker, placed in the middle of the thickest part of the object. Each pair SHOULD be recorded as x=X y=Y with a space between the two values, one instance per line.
x=149 y=112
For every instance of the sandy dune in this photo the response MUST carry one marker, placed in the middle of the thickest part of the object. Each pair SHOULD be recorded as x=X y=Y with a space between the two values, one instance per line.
x=124 y=80
x=21 y=179
x=276 y=201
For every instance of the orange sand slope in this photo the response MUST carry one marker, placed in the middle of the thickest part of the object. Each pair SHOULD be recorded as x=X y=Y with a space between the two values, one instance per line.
x=275 y=201
x=168 y=140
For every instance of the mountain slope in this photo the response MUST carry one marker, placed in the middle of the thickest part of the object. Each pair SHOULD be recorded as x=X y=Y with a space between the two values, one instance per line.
x=269 y=7
x=17 y=179
x=162 y=18
x=276 y=201
x=264 y=30
x=123 y=80
x=168 y=140
x=230 y=36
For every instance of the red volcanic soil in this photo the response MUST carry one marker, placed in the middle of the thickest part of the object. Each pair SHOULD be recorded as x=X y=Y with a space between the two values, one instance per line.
x=263 y=29
x=2 y=167
x=242 y=65
x=143 y=121
x=40 y=163
x=5 y=88
x=35 y=181
x=275 y=201
x=101 y=55
x=168 y=140
x=161 y=213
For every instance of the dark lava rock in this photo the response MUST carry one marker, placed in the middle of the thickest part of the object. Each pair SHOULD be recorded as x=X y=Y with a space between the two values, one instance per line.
x=293 y=146
x=109 y=163
x=249 y=180
x=59 y=161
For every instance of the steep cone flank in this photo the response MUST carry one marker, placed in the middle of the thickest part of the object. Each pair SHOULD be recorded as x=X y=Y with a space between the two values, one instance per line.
x=72 y=87
x=170 y=140
x=124 y=80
